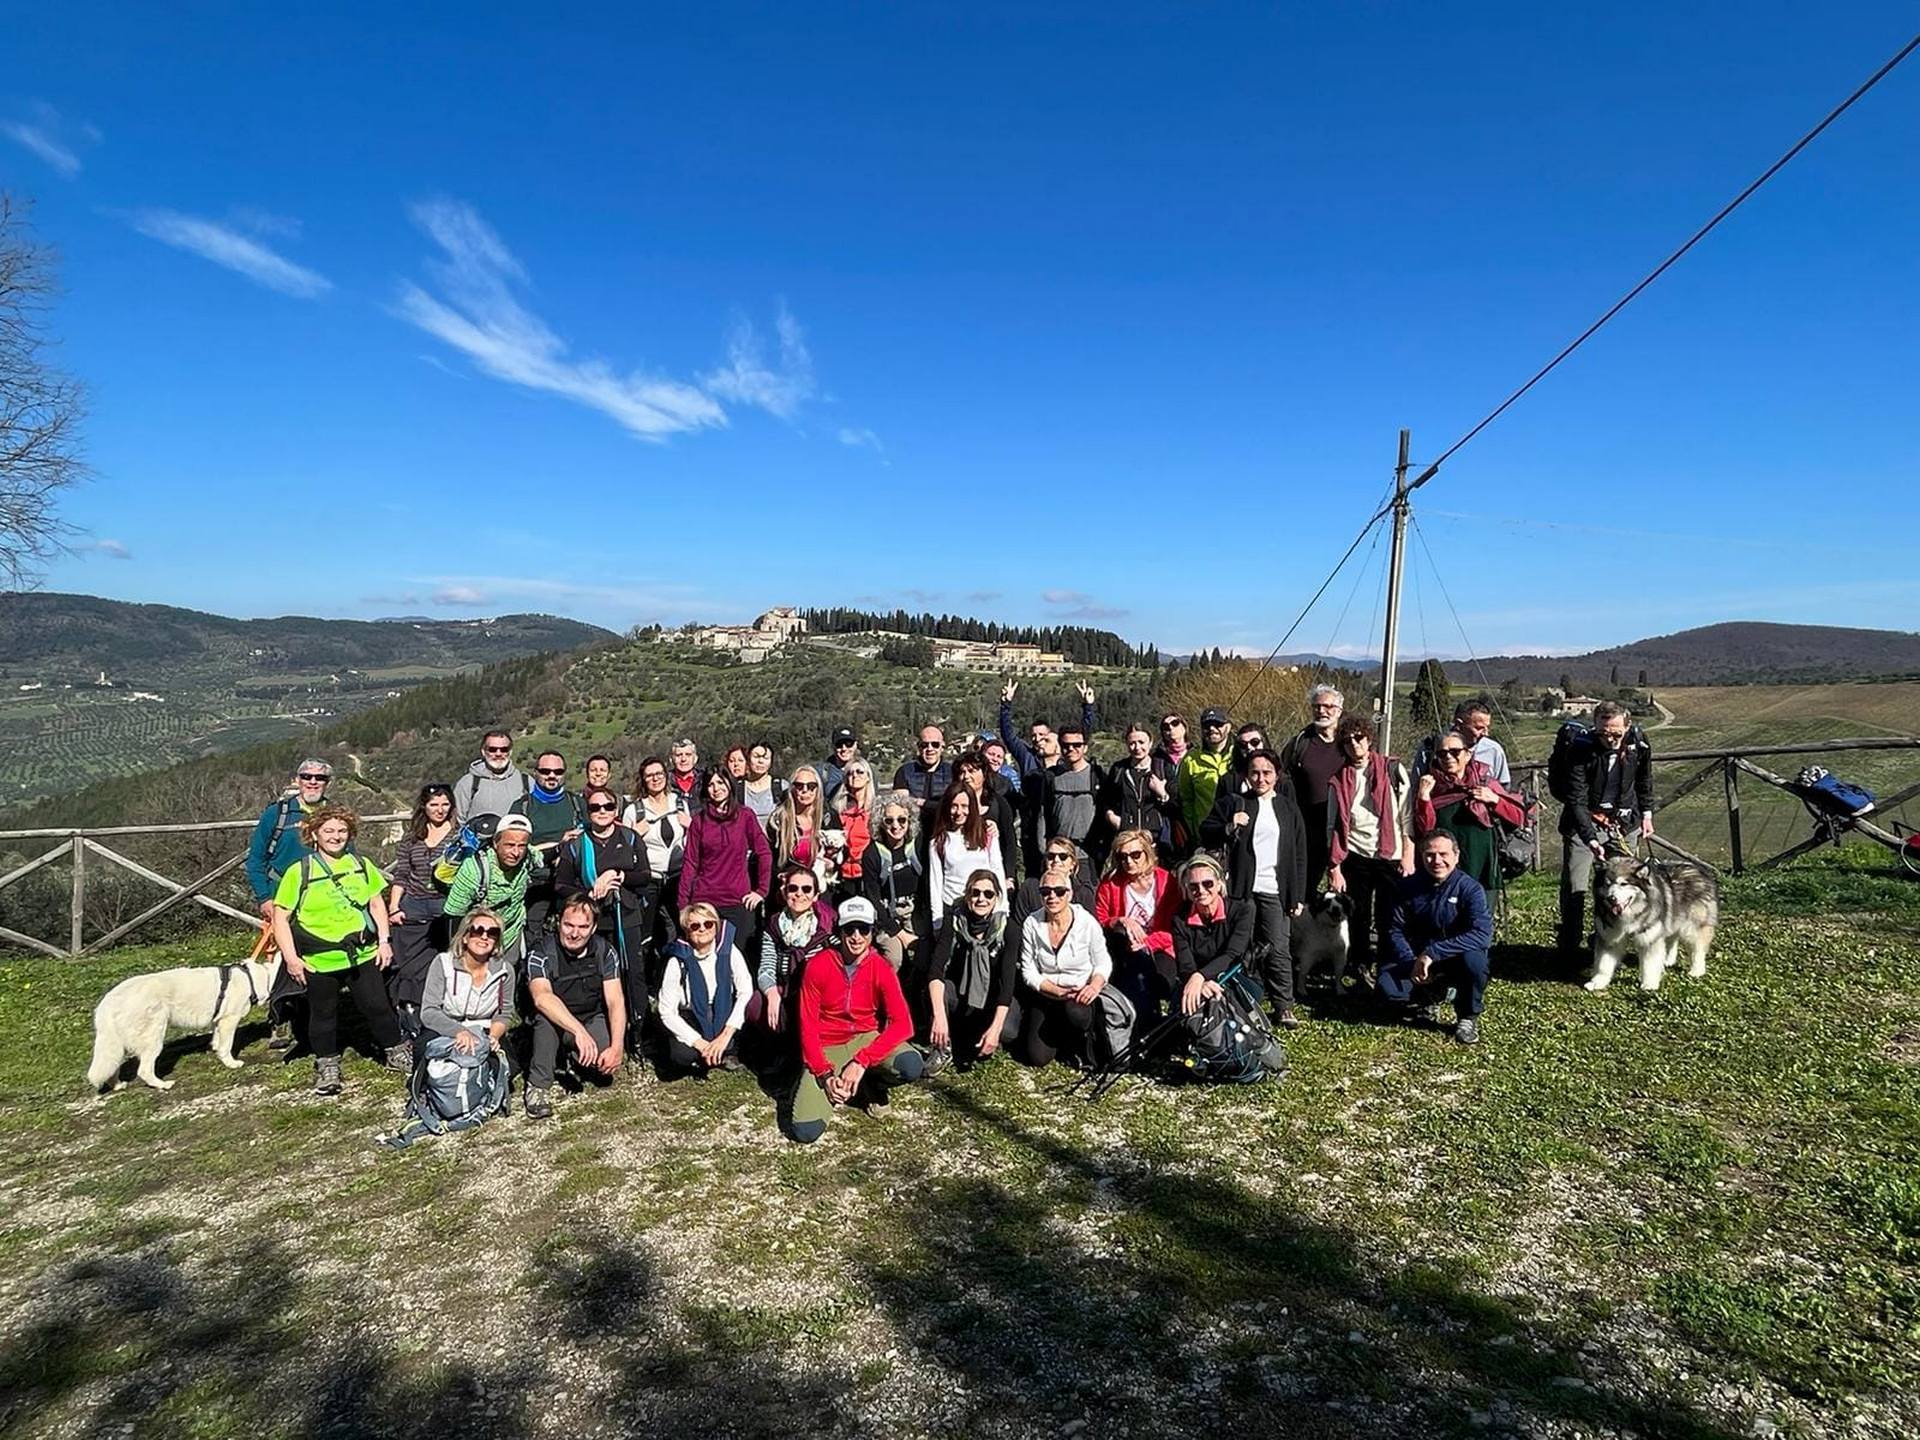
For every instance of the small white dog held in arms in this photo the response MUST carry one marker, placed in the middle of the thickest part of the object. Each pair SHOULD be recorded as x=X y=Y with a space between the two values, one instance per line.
x=133 y=1017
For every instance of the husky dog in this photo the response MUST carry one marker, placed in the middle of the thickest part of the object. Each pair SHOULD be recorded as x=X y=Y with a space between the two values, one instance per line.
x=133 y=1017
x=1321 y=937
x=1647 y=908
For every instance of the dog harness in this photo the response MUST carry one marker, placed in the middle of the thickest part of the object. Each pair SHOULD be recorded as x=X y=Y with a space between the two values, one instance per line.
x=226 y=979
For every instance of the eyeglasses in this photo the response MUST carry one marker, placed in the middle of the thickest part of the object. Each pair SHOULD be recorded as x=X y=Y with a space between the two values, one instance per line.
x=497 y=749
x=806 y=784
x=983 y=894
x=799 y=889
x=856 y=927
x=550 y=770
x=696 y=925
x=601 y=807
x=1054 y=890
x=1133 y=854
x=484 y=932
x=314 y=779
x=933 y=744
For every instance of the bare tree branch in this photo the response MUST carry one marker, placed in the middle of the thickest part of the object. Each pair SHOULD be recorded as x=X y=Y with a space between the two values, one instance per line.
x=40 y=409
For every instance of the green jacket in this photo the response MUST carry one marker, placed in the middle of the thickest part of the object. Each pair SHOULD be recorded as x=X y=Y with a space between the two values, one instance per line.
x=481 y=881
x=328 y=900
x=1201 y=771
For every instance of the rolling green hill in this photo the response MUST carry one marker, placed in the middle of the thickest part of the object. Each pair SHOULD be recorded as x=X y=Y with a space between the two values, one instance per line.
x=1739 y=652
x=92 y=689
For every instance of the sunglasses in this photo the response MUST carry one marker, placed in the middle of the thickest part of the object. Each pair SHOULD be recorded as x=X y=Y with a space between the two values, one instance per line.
x=484 y=932
x=497 y=749
x=1054 y=890
x=550 y=770
x=1133 y=854
x=900 y=820
x=856 y=927
x=1444 y=749
x=806 y=784
x=322 y=779
x=1073 y=744
x=1203 y=885
x=693 y=925
x=983 y=894
x=601 y=807
x=799 y=889
x=933 y=744
x=1060 y=855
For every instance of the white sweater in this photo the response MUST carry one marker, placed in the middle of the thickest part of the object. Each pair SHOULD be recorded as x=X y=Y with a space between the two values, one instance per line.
x=674 y=1002
x=947 y=877
x=1081 y=956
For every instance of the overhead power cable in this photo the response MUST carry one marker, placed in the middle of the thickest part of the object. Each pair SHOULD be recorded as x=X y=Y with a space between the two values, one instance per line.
x=1307 y=609
x=1732 y=205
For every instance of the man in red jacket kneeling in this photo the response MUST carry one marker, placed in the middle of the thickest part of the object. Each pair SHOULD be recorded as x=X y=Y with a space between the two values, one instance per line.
x=854 y=1024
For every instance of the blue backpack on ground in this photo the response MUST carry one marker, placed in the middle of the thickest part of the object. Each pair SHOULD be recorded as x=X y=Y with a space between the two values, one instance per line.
x=450 y=1091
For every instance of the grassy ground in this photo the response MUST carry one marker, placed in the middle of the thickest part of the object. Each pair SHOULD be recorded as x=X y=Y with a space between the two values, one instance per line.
x=1692 y=1214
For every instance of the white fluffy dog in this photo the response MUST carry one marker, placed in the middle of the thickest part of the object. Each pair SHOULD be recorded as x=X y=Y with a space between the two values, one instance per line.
x=133 y=1017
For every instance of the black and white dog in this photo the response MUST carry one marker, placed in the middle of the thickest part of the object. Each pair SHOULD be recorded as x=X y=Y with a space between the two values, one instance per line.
x=1647 y=908
x=1322 y=937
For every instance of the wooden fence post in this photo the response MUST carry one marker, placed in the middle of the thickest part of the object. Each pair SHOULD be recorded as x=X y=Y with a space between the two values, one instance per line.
x=1732 y=774
x=78 y=919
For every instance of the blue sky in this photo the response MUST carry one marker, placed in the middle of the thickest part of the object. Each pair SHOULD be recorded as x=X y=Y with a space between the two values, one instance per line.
x=1104 y=314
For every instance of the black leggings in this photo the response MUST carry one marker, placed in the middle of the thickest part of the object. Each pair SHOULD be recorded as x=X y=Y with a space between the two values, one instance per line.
x=369 y=991
x=1050 y=1024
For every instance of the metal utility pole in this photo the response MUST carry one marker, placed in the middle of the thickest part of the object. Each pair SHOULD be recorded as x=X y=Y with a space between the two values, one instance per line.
x=1396 y=559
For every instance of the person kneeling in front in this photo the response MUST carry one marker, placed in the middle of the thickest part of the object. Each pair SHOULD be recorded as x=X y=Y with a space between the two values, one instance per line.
x=574 y=975
x=703 y=994
x=1440 y=932
x=854 y=1024
x=1064 y=997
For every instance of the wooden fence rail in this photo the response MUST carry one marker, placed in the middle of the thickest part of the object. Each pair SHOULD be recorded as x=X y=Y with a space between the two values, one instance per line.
x=80 y=843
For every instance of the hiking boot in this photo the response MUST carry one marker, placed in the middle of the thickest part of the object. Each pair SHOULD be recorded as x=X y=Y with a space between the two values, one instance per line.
x=1285 y=1018
x=282 y=1036
x=326 y=1075
x=539 y=1107
x=1467 y=1031
x=400 y=1057
x=935 y=1061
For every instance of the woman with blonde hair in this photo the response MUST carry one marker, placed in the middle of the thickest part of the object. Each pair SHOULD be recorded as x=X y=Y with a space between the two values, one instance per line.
x=1135 y=905
x=853 y=808
x=330 y=924
x=704 y=993
x=797 y=822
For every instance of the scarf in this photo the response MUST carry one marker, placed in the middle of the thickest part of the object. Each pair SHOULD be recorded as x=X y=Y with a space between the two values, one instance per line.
x=590 y=872
x=1449 y=791
x=1380 y=790
x=797 y=930
x=710 y=1012
x=536 y=793
x=977 y=939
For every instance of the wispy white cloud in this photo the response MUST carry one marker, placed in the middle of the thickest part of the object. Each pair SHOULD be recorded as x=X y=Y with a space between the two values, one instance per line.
x=861 y=438
x=265 y=222
x=500 y=589
x=112 y=549
x=748 y=379
x=980 y=597
x=1078 y=605
x=51 y=137
x=225 y=246
x=460 y=595
x=478 y=314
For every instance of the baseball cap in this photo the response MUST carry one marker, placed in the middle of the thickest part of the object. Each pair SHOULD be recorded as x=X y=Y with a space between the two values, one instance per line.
x=855 y=911
x=843 y=736
x=514 y=824
x=1213 y=715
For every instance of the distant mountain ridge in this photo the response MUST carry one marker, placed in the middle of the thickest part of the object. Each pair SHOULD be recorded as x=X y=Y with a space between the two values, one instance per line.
x=1735 y=652
x=86 y=634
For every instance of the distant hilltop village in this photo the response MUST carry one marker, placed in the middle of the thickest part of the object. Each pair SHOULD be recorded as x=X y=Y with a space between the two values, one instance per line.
x=784 y=625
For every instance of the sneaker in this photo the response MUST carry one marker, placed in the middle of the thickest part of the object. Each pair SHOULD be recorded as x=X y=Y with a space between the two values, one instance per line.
x=400 y=1057
x=282 y=1036
x=1467 y=1031
x=539 y=1107
x=1286 y=1019
x=935 y=1061
x=326 y=1075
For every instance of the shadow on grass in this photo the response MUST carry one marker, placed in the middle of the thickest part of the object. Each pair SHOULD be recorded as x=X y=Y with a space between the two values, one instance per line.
x=1170 y=1303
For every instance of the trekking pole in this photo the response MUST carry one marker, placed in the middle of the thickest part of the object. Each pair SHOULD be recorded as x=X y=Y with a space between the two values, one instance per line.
x=1104 y=1077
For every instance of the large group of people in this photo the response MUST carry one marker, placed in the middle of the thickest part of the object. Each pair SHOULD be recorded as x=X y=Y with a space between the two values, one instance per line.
x=1000 y=893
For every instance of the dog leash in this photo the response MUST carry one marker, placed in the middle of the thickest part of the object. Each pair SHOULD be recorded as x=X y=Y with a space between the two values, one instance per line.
x=244 y=967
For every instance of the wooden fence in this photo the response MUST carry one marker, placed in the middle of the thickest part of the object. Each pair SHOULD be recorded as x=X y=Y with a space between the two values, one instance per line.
x=83 y=847
x=1728 y=766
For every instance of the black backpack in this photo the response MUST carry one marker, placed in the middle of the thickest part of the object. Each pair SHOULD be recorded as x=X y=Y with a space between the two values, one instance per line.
x=1230 y=1040
x=1573 y=746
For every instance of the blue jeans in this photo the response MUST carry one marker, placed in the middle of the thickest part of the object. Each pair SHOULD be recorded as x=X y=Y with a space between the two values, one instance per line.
x=1467 y=974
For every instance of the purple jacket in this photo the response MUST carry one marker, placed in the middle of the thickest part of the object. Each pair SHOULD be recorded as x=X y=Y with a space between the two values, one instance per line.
x=714 y=867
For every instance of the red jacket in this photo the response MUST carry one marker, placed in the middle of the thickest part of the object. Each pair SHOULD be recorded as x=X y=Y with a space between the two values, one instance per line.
x=1110 y=906
x=833 y=1011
